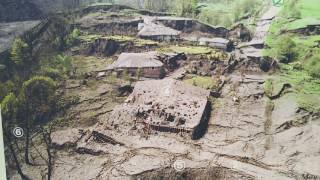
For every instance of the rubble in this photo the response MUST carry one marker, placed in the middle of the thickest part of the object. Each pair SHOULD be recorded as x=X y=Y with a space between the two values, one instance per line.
x=66 y=138
x=166 y=105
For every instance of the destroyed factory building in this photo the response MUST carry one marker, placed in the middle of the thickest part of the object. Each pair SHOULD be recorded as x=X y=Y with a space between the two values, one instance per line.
x=166 y=105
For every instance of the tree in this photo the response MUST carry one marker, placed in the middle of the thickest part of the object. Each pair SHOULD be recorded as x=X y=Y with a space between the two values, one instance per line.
x=285 y=49
x=20 y=52
x=6 y=88
x=9 y=112
x=38 y=99
x=65 y=62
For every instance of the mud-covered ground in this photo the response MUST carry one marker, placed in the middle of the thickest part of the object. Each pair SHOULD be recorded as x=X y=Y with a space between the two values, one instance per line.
x=249 y=134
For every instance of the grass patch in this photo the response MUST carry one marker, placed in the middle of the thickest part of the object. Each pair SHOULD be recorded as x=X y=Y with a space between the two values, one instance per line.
x=309 y=8
x=268 y=87
x=310 y=102
x=193 y=50
x=87 y=64
x=202 y=81
x=89 y=37
x=306 y=87
x=225 y=14
x=302 y=23
x=121 y=39
x=298 y=73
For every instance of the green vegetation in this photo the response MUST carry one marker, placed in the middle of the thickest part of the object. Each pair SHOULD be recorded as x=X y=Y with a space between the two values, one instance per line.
x=227 y=13
x=268 y=87
x=309 y=8
x=187 y=49
x=301 y=52
x=72 y=37
x=305 y=86
x=310 y=102
x=20 y=53
x=121 y=39
x=27 y=97
x=285 y=49
x=56 y=66
x=210 y=53
x=202 y=81
x=313 y=66
x=301 y=23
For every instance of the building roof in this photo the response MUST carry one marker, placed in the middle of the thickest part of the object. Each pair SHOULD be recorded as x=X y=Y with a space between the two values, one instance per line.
x=214 y=40
x=137 y=60
x=157 y=30
x=161 y=99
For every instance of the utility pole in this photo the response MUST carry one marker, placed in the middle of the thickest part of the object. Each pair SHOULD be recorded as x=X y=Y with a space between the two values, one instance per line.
x=2 y=157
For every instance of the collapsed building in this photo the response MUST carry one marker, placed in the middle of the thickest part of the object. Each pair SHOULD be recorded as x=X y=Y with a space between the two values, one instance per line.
x=166 y=105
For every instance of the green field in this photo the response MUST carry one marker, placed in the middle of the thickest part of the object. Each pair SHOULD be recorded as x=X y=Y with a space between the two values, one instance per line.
x=205 y=82
x=309 y=8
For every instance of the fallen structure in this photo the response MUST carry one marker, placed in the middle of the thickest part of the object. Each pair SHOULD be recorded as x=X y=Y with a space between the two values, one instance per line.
x=144 y=64
x=166 y=105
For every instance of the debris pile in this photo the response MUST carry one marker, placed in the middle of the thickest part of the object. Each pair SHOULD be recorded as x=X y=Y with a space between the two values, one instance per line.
x=165 y=105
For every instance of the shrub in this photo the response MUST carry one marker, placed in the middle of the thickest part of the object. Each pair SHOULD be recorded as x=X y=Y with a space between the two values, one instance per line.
x=313 y=66
x=52 y=73
x=20 y=52
x=72 y=37
x=285 y=49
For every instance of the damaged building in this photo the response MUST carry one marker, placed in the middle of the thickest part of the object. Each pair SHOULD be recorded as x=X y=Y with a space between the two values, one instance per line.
x=166 y=105
x=219 y=43
x=147 y=64
x=158 y=32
